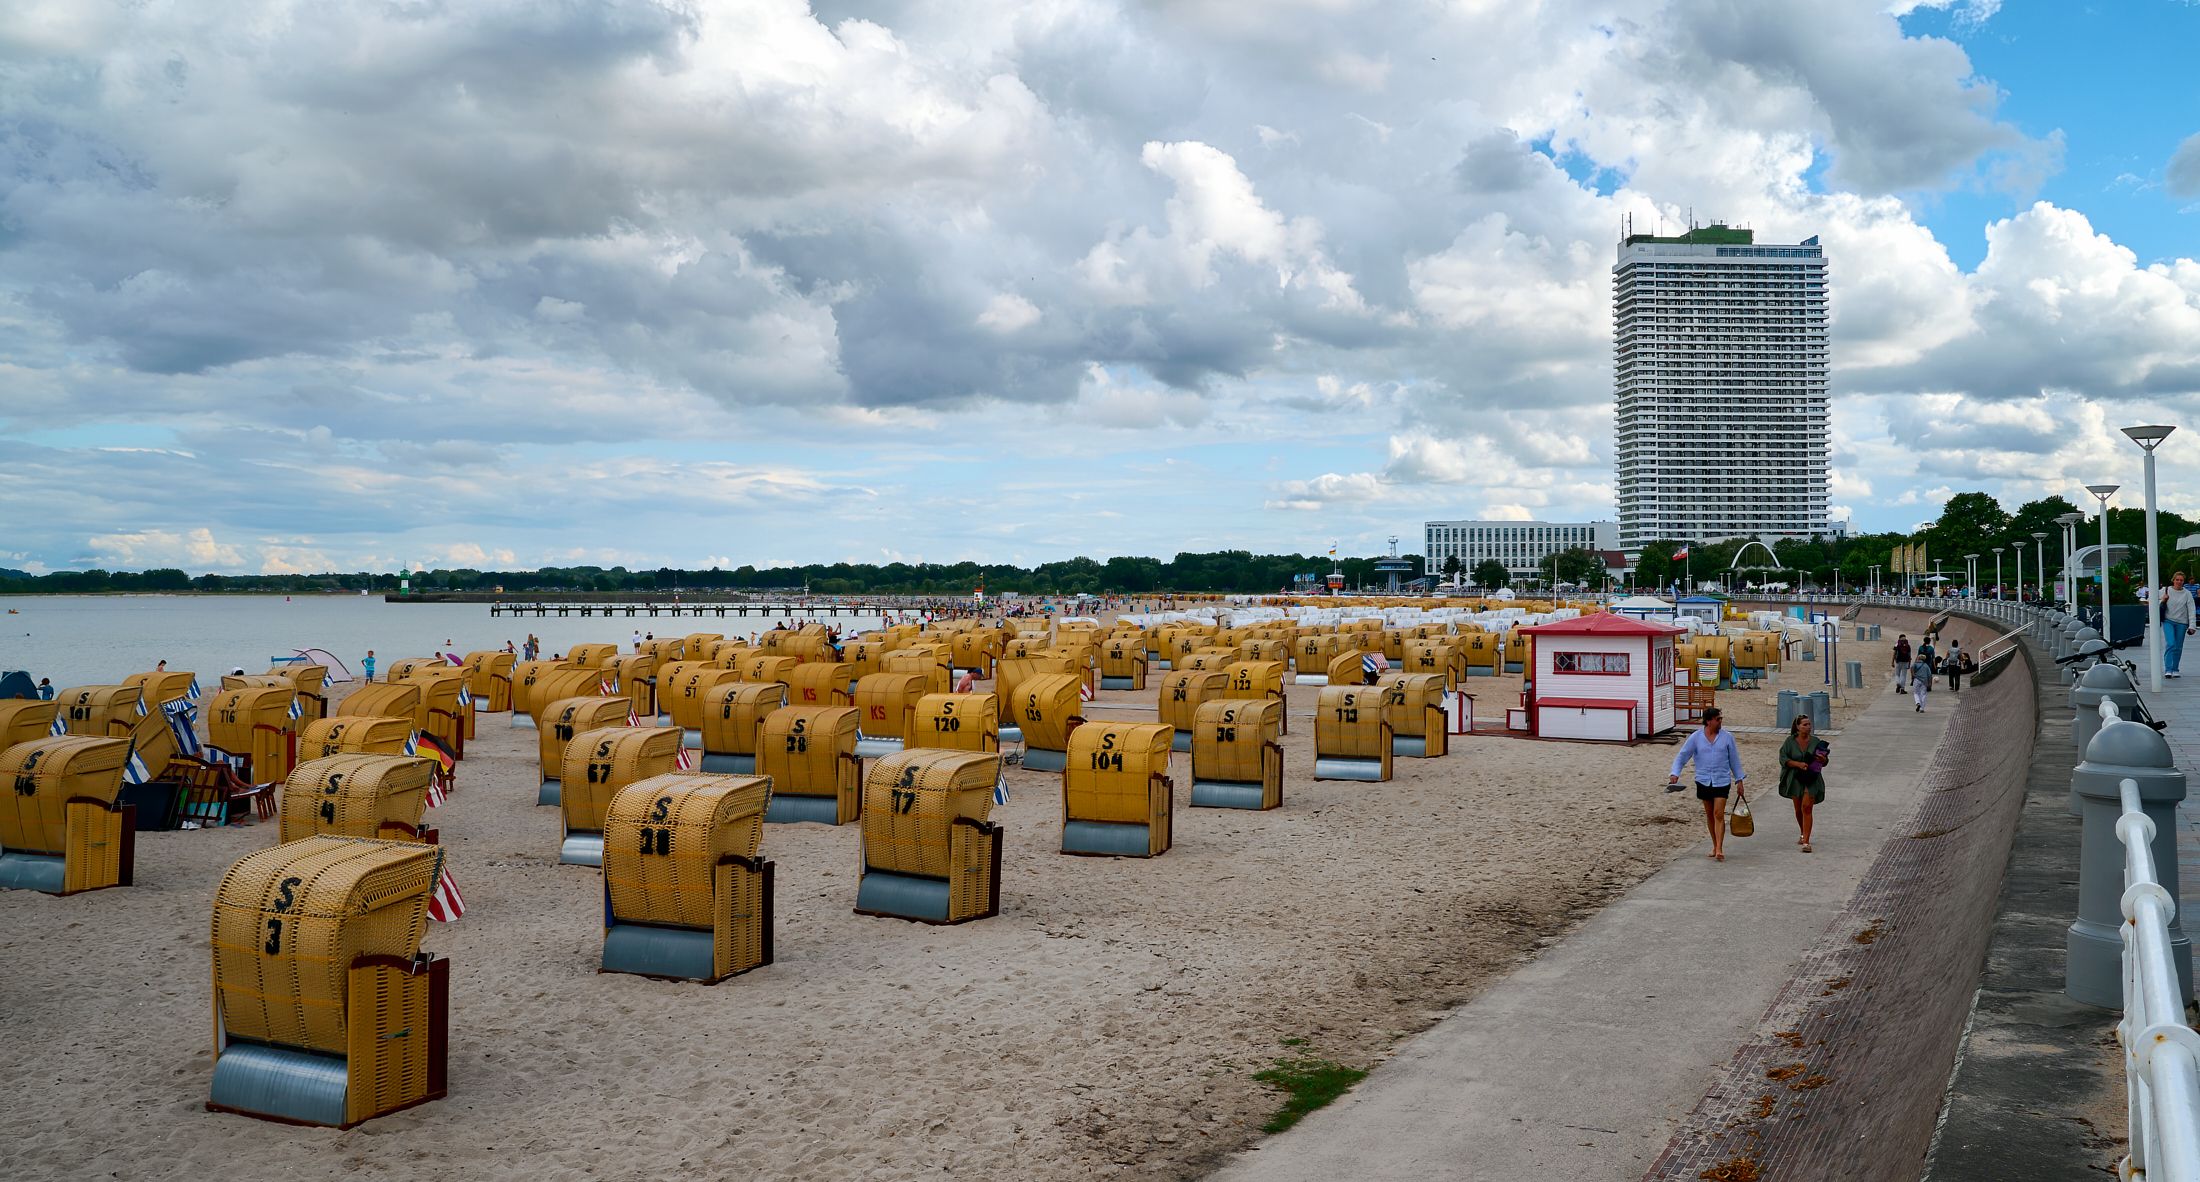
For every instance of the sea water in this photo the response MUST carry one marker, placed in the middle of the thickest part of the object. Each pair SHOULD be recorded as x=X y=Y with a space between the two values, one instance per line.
x=101 y=639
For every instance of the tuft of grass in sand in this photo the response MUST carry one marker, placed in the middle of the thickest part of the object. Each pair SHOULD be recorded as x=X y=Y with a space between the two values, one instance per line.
x=1307 y=1084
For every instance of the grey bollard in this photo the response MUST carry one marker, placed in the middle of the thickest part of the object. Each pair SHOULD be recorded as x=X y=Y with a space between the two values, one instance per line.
x=1863 y=633
x=1820 y=705
x=2095 y=685
x=1875 y=631
x=1855 y=674
x=2093 y=971
x=1786 y=715
x=1811 y=653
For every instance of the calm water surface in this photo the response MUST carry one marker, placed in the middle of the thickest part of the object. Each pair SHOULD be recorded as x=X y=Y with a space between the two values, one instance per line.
x=100 y=639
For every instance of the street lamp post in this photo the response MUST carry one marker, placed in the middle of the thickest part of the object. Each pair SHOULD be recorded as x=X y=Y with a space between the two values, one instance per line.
x=2149 y=438
x=2039 y=560
x=2102 y=492
x=2069 y=523
x=1997 y=570
x=1970 y=575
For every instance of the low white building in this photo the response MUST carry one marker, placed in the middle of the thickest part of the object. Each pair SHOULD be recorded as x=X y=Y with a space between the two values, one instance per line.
x=1525 y=547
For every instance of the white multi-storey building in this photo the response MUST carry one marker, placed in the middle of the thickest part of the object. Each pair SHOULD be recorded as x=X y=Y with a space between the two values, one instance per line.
x=1523 y=546
x=1719 y=386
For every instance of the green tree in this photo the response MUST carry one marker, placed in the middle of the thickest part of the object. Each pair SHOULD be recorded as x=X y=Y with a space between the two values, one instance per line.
x=1491 y=574
x=1656 y=570
x=1970 y=523
x=1578 y=565
x=1452 y=567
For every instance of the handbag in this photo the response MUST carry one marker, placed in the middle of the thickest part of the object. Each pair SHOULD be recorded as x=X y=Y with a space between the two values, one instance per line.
x=1739 y=822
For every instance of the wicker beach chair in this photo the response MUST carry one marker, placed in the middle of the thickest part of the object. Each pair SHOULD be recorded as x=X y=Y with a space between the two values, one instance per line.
x=929 y=853
x=1117 y=797
x=63 y=829
x=810 y=754
x=687 y=895
x=597 y=764
x=560 y=722
x=1237 y=758
x=733 y=714
x=1351 y=734
x=357 y=795
x=325 y=1010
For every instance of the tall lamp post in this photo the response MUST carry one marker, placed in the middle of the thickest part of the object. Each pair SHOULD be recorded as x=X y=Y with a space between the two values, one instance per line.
x=2069 y=523
x=1997 y=570
x=2016 y=550
x=2102 y=492
x=2039 y=560
x=2149 y=438
x=1970 y=575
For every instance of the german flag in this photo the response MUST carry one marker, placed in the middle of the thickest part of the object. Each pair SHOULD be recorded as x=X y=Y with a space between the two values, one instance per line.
x=429 y=747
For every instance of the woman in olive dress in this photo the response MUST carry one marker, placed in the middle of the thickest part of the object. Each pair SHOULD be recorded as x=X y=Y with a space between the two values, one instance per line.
x=1802 y=778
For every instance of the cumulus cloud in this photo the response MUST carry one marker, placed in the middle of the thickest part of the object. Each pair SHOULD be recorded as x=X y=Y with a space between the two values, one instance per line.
x=456 y=282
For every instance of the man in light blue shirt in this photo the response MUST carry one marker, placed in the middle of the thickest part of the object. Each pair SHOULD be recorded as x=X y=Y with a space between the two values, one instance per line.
x=1718 y=771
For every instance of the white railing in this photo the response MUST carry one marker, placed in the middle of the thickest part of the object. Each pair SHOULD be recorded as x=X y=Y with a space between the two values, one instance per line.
x=2161 y=1052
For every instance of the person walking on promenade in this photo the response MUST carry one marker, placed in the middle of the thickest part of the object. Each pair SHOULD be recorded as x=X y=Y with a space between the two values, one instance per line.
x=2177 y=623
x=367 y=663
x=1901 y=658
x=1921 y=679
x=1927 y=654
x=1953 y=665
x=1802 y=760
x=1718 y=771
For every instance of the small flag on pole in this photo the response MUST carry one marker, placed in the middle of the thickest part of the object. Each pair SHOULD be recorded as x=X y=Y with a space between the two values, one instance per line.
x=1000 y=787
x=1084 y=692
x=683 y=760
x=59 y=727
x=433 y=748
x=297 y=709
x=606 y=687
x=465 y=696
x=1680 y=554
x=412 y=743
x=141 y=706
x=436 y=794
x=133 y=771
x=632 y=719
x=192 y=694
x=445 y=903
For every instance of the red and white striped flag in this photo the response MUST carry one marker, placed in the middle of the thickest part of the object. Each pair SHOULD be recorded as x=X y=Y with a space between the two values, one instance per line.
x=1084 y=692
x=631 y=719
x=436 y=795
x=444 y=902
x=607 y=687
x=683 y=760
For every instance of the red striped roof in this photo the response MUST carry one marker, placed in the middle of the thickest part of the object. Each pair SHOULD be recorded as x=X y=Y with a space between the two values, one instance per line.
x=1604 y=624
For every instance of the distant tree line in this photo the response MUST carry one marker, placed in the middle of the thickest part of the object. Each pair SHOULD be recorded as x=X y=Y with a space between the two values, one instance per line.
x=1969 y=523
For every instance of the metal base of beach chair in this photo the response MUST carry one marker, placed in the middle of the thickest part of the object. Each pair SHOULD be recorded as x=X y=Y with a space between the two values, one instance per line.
x=1228 y=794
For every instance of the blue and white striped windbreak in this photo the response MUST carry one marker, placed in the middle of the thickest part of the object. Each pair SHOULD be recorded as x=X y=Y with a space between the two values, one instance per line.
x=181 y=714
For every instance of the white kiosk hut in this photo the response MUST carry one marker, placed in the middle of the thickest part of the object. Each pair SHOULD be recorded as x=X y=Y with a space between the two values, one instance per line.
x=1605 y=677
x=1704 y=607
x=1645 y=607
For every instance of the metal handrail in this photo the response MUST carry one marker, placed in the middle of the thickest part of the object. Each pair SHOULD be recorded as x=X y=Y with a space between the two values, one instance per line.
x=2161 y=1052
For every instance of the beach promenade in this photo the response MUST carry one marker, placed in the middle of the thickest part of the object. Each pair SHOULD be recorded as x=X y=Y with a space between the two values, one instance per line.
x=1623 y=1050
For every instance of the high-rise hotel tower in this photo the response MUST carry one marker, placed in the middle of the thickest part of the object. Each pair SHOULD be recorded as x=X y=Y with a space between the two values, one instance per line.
x=1719 y=387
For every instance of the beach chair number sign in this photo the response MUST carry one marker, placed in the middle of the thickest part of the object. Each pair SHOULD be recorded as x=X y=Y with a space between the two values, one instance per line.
x=1348 y=714
x=599 y=767
x=1031 y=709
x=334 y=785
x=1106 y=758
x=903 y=796
x=798 y=739
x=657 y=843
x=947 y=723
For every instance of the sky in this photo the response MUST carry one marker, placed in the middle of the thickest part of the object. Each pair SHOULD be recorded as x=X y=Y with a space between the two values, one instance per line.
x=361 y=285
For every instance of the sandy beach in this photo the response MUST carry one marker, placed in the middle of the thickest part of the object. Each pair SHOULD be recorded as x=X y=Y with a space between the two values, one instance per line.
x=1106 y=1025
